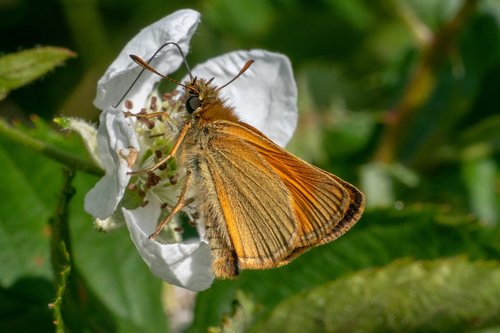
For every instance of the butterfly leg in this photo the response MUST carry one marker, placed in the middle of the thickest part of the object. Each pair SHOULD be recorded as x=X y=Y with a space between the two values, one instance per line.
x=145 y=115
x=177 y=143
x=181 y=203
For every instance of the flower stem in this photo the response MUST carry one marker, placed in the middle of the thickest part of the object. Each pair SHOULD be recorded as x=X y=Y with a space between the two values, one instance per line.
x=54 y=153
x=61 y=249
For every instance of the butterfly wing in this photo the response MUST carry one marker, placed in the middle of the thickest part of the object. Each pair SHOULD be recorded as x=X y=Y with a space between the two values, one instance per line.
x=325 y=205
x=271 y=206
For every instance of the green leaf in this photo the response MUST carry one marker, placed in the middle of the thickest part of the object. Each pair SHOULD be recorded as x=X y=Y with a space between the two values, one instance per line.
x=380 y=237
x=355 y=12
x=29 y=190
x=451 y=295
x=110 y=288
x=241 y=318
x=20 y=68
x=256 y=21
x=30 y=186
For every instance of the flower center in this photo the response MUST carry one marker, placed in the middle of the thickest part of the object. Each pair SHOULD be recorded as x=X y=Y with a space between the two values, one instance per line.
x=155 y=127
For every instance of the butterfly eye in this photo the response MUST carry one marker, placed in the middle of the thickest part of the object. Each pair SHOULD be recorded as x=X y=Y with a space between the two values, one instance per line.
x=192 y=104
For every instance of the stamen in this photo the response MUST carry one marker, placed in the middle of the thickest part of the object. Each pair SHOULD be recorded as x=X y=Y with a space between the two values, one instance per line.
x=156 y=135
x=153 y=106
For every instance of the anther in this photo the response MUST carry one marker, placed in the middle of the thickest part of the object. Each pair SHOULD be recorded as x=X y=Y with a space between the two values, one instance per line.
x=150 y=124
x=128 y=104
x=153 y=179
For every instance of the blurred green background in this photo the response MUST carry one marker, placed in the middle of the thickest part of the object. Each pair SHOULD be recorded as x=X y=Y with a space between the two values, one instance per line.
x=398 y=97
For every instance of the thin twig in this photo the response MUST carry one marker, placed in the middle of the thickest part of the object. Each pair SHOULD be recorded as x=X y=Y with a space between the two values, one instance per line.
x=54 y=153
x=421 y=84
x=420 y=31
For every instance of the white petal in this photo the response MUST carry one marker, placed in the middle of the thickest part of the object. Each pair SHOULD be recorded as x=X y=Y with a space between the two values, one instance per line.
x=265 y=96
x=186 y=264
x=178 y=27
x=116 y=140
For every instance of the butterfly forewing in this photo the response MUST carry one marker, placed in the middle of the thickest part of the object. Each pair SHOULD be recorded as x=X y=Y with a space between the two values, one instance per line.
x=275 y=206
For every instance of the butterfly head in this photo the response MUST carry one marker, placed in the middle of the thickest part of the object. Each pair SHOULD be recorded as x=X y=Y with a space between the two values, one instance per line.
x=199 y=94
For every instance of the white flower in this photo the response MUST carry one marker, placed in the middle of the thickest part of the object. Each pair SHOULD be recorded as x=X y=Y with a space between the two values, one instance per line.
x=265 y=97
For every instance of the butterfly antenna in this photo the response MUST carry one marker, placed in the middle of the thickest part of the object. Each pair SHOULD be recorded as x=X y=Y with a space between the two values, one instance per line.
x=145 y=66
x=182 y=55
x=243 y=70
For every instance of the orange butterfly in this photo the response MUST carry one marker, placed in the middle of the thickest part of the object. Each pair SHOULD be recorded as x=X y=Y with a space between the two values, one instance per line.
x=261 y=206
